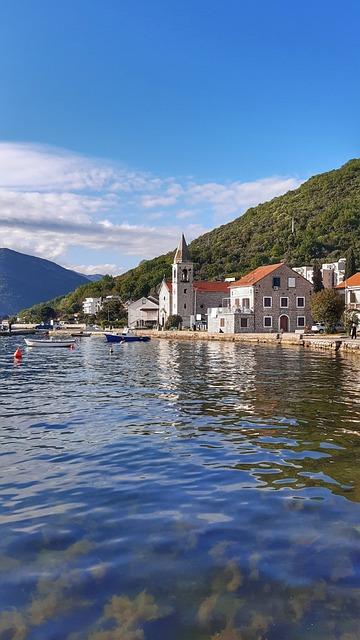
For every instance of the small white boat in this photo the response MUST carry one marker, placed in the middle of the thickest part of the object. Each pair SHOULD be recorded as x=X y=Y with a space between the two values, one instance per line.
x=49 y=343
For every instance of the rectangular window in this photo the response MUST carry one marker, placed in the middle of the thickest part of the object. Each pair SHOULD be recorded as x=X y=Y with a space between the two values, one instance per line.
x=291 y=282
x=237 y=302
x=268 y=322
x=301 y=321
x=284 y=303
x=222 y=322
x=243 y=323
x=184 y=305
x=246 y=303
x=185 y=290
x=300 y=302
x=276 y=282
x=267 y=302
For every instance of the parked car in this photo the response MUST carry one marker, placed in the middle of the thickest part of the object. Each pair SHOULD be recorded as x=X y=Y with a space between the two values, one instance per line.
x=319 y=327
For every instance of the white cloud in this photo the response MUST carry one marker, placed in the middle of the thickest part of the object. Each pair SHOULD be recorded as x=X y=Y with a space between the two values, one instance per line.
x=238 y=196
x=52 y=200
x=94 y=269
x=185 y=213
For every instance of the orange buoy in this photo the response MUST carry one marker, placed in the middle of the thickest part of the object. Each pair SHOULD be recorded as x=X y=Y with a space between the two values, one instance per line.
x=18 y=354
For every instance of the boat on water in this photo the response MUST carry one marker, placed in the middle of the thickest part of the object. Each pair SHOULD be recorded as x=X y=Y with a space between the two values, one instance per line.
x=33 y=342
x=125 y=336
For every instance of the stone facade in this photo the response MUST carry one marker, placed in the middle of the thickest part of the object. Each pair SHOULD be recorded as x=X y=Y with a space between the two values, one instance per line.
x=273 y=298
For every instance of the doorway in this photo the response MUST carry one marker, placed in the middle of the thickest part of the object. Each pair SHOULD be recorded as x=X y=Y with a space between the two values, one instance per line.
x=284 y=323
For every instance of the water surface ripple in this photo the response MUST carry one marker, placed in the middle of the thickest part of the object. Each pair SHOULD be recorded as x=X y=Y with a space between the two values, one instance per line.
x=176 y=490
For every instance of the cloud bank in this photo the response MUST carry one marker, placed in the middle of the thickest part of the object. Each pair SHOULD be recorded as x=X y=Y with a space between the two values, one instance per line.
x=52 y=200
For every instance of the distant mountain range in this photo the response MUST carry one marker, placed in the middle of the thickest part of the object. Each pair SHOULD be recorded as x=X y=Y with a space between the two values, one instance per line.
x=26 y=280
x=93 y=277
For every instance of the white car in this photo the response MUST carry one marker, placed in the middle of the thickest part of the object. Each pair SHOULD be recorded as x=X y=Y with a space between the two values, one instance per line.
x=319 y=327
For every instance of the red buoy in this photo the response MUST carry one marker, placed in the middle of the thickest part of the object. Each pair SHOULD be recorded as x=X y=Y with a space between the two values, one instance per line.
x=18 y=354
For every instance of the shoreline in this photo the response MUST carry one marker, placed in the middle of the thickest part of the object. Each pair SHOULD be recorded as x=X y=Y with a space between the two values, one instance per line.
x=329 y=343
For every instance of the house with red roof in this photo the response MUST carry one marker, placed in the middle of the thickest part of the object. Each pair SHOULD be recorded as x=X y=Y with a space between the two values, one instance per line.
x=271 y=298
x=185 y=296
x=350 y=289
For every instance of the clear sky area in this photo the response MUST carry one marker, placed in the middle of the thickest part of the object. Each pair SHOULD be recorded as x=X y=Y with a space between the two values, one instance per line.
x=125 y=122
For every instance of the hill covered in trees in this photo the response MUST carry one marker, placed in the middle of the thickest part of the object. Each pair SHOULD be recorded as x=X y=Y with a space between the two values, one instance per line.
x=326 y=213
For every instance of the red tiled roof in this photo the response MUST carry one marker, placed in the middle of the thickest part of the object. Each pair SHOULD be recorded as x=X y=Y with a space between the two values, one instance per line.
x=255 y=276
x=353 y=281
x=206 y=285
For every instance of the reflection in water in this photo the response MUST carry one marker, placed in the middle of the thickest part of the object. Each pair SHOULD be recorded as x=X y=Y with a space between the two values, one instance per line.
x=188 y=490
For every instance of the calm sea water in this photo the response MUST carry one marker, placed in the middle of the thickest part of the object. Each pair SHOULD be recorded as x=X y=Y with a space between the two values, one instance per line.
x=179 y=491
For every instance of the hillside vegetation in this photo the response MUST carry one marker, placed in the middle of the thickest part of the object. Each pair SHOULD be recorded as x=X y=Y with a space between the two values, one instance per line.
x=326 y=210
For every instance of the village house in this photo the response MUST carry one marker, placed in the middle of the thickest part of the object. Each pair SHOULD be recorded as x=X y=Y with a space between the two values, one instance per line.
x=272 y=298
x=143 y=313
x=186 y=297
x=350 y=289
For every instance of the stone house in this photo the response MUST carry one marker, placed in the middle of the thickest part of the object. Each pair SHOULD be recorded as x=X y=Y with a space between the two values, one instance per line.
x=350 y=289
x=143 y=313
x=184 y=296
x=272 y=298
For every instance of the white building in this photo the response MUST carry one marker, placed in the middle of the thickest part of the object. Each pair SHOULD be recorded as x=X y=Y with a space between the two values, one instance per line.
x=91 y=306
x=143 y=313
x=186 y=297
x=350 y=288
x=333 y=273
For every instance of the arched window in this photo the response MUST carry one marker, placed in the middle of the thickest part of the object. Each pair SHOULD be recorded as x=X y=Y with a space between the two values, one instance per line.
x=184 y=275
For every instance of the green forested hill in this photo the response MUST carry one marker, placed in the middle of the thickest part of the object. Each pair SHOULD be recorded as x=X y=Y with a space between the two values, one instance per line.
x=326 y=210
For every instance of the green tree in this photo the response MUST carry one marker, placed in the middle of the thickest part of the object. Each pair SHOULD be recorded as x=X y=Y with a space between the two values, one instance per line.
x=350 y=267
x=327 y=307
x=317 y=277
x=112 y=312
x=173 y=322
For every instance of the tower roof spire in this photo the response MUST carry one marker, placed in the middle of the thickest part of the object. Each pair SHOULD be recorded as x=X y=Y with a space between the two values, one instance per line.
x=182 y=252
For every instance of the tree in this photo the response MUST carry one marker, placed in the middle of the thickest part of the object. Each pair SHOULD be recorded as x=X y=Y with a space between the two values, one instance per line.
x=173 y=322
x=317 y=277
x=350 y=267
x=112 y=312
x=327 y=307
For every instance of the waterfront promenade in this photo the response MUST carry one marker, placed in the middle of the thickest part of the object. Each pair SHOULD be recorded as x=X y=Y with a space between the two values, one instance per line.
x=336 y=342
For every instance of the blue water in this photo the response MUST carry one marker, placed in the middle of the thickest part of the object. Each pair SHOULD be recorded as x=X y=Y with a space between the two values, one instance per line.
x=179 y=491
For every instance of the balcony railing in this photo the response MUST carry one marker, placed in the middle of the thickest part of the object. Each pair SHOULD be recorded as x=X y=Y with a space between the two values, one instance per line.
x=233 y=309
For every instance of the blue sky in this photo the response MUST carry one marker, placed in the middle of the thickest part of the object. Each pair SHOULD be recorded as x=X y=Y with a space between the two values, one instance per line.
x=123 y=122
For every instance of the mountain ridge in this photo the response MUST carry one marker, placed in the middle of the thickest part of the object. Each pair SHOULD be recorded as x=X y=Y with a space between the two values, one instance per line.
x=27 y=280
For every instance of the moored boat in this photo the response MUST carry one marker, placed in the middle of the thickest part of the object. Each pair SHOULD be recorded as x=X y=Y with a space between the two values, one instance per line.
x=33 y=342
x=125 y=336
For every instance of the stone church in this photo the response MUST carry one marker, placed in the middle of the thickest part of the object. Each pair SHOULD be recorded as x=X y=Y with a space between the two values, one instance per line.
x=186 y=297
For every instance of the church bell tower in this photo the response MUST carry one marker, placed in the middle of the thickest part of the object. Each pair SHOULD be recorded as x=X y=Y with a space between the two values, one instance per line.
x=182 y=283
